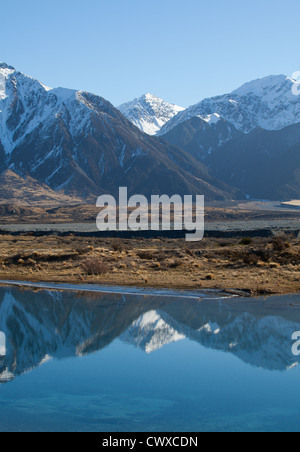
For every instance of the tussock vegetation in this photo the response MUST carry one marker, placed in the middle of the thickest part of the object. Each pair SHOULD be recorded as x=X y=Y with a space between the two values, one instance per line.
x=37 y=257
x=118 y=245
x=280 y=243
x=82 y=250
x=146 y=255
x=261 y=265
x=95 y=266
x=246 y=241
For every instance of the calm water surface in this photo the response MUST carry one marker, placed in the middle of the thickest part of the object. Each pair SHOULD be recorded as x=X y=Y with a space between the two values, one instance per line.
x=95 y=362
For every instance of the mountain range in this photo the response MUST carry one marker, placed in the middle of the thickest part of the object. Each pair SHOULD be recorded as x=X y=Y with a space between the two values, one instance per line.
x=78 y=145
x=266 y=103
x=249 y=138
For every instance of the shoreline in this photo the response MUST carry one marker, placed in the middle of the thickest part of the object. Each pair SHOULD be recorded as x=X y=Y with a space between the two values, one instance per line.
x=149 y=290
x=212 y=294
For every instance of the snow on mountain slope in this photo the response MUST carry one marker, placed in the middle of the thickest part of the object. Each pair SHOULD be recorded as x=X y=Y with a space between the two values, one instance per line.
x=79 y=143
x=149 y=113
x=5 y=71
x=26 y=104
x=200 y=137
x=266 y=103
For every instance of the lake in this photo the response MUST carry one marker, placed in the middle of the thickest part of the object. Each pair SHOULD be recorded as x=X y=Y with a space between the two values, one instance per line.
x=129 y=362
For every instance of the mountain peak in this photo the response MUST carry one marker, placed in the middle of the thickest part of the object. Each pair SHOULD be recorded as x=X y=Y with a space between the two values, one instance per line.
x=149 y=96
x=260 y=86
x=266 y=103
x=6 y=66
x=149 y=112
x=78 y=143
x=6 y=70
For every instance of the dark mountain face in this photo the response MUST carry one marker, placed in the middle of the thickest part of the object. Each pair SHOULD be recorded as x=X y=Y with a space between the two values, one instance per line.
x=201 y=138
x=248 y=138
x=264 y=164
x=79 y=143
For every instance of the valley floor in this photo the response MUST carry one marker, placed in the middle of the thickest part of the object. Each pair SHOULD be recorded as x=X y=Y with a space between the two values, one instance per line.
x=256 y=266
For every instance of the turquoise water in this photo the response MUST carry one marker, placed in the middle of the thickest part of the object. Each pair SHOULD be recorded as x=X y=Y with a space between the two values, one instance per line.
x=118 y=363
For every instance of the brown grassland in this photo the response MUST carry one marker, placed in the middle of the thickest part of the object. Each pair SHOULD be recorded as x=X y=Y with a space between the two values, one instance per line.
x=256 y=266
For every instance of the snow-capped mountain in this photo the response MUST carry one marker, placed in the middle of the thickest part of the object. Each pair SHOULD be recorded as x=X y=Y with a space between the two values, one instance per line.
x=249 y=138
x=268 y=103
x=149 y=113
x=79 y=143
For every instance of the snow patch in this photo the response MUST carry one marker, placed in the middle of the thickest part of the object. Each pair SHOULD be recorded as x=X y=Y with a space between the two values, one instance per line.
x=211 y=119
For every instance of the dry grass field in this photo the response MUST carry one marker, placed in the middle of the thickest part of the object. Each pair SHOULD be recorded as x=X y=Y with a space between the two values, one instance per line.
x=256 y=266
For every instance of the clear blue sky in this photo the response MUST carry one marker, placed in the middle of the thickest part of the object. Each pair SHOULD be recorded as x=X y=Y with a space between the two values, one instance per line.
x=180 y=50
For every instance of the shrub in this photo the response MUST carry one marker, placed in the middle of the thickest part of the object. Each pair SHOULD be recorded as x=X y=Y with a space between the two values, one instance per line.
x=174 y=264
x=263 y=254
x=156 y=266
x=82 y=250
x=279 y=244
x=95 y=266
x=223 y=244
x=146 y=255
x=161 y=257
x=246 y=241
x=117 y=245
x=17 y=258
x=250 y=259
x=274 y=265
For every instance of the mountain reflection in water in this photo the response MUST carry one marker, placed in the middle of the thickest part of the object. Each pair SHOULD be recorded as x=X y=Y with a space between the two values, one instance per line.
x=39 y=325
